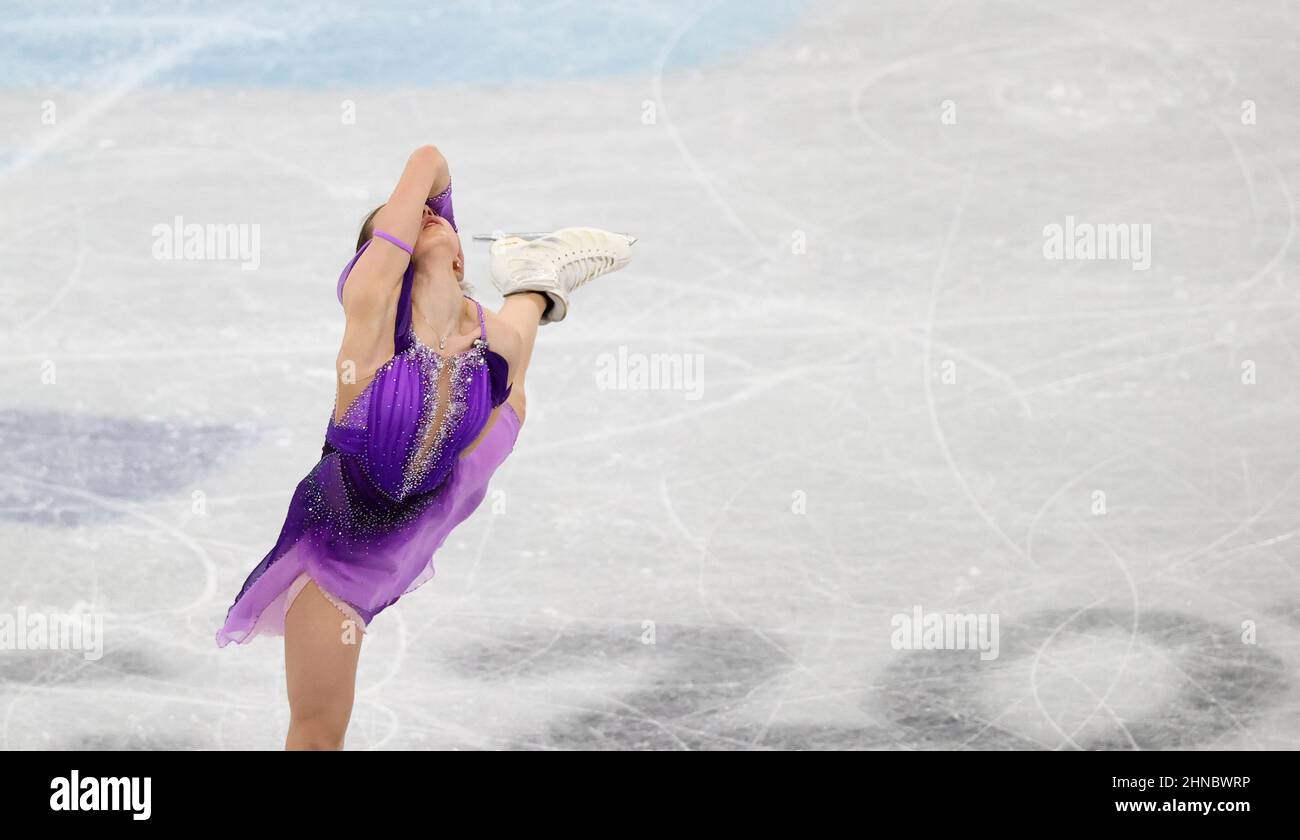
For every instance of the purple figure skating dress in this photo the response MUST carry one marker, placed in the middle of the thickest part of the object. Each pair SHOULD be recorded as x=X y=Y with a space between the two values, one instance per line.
x=393 y=480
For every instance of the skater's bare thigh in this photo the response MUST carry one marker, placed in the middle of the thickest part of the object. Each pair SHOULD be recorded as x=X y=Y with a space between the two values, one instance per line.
x=321 y=650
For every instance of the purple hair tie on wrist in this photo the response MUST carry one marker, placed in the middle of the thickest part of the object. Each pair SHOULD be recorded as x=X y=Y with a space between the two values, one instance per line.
x=441 y=205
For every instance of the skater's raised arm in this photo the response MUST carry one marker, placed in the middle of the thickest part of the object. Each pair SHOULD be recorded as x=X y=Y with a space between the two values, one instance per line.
x=378 y=271
x=425 y=175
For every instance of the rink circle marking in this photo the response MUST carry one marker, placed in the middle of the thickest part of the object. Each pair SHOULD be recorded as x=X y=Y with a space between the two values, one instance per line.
x=940 y=699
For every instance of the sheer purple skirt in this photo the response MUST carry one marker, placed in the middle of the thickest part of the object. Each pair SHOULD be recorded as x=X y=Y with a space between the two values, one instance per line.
x=363 y=551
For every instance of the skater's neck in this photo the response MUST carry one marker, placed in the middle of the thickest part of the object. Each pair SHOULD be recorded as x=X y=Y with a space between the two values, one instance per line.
x=436 y=292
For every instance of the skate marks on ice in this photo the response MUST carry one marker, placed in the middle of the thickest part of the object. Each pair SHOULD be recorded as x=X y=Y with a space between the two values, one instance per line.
x=59 y=667
x=688 y=690
x=66 y=469
x=1065 y=679
x=111 y=701
x=1089 y=678
x=138 y=740
x=1059 y=100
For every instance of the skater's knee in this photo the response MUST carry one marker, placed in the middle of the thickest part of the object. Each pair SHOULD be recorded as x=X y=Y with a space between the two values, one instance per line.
x=315 y=742
x=322 y=730
x=320 y=705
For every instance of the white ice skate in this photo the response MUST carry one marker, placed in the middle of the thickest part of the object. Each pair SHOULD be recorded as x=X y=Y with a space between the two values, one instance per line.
x=557 y=263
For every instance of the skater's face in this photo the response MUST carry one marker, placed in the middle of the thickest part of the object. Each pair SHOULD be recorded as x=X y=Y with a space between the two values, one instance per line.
x=439 y=243
x=436 y=242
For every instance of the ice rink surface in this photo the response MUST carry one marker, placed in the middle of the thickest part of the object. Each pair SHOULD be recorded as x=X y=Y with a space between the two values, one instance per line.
x=898 y=402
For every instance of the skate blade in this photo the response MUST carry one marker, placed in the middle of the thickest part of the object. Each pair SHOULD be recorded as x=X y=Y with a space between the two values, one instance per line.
x=530 y=236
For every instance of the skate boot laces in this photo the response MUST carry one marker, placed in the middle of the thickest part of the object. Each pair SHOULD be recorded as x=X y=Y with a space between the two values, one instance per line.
x=573 y=256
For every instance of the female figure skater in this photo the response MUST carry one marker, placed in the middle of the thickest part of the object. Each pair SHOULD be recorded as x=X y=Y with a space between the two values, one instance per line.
x=430 y=401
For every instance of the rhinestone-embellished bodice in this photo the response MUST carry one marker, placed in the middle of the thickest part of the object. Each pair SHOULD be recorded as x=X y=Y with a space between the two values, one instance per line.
x=418 y=413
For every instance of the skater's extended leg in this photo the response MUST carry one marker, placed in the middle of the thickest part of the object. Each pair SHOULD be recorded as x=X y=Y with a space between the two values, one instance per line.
x=523 y=311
